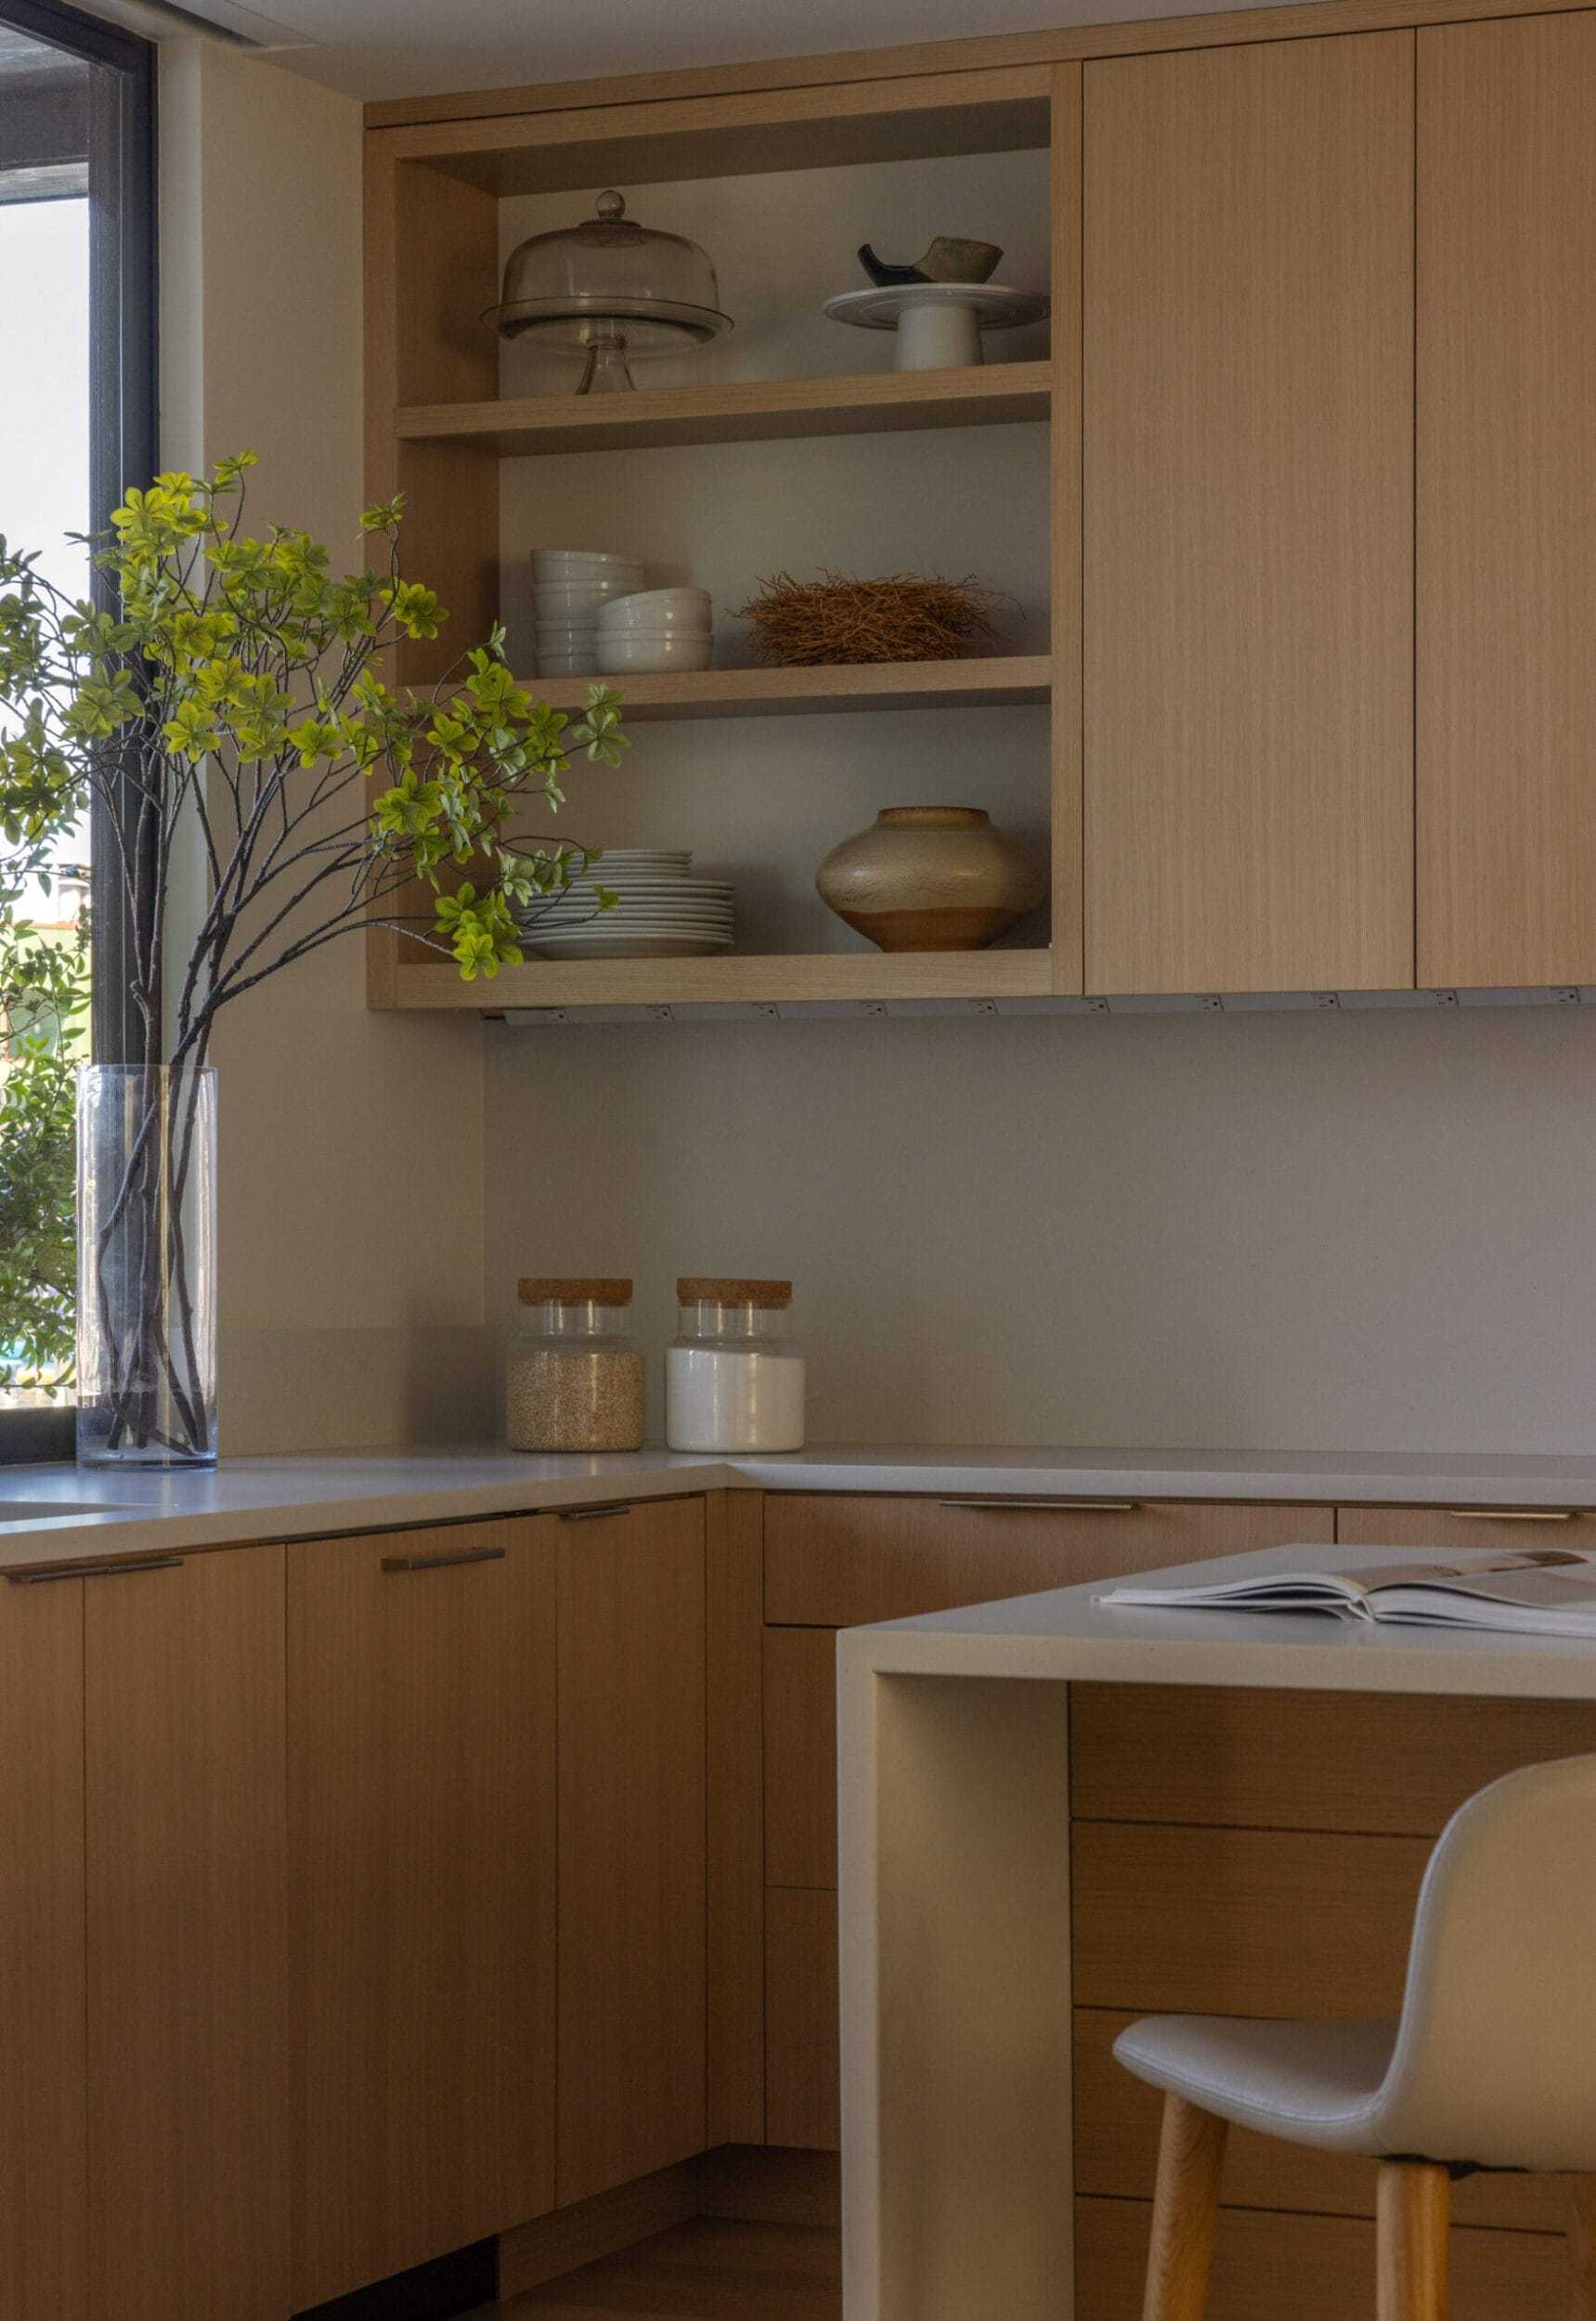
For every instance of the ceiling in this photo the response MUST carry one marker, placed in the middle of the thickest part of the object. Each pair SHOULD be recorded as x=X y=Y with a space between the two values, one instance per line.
x=376 y=48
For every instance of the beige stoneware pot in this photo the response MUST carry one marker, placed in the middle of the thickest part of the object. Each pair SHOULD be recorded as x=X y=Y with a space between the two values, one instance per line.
x=931 y=878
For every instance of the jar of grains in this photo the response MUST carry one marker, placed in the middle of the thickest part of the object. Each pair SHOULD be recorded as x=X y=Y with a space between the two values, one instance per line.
x=734 y=1376
x=573 y=1378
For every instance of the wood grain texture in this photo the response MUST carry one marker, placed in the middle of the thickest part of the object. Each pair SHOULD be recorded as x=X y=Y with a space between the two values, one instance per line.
x=1068 y=962
x=187 y=1948
x=1506 y=502
x=421 y=1786
x=1582 y=2249
x=772 y=2184
x=754 y=410
x=1247 y=549
x=571 y=2238
x=1241 y=1922
x=1442 y=1530
x=1116 y=2153
x=802 y=2103
x=632 y=1864
x=1303 y=20
x=1413 y=2219
x=734 y=1776
x=997 y=680
x=739 y=978
x=714 y=2270
x=840 y=1560
x=1384 y=1763
x=843 y=123
x=1186 y=2212
x=800 y=1755
x=1313 y=2268
x=44 y=2219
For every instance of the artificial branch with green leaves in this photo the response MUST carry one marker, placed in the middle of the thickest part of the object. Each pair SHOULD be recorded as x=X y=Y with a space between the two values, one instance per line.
x=228 y=701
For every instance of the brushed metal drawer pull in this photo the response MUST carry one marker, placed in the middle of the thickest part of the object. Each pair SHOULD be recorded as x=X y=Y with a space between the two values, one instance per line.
x=589 y=1514
x=436 y=1563
x=1511 y=1514
x=95 y=1571
x=1051 y=1507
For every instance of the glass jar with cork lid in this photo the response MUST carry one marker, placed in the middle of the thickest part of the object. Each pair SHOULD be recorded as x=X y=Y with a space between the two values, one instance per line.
x=733 y=1375
x=573 y=1377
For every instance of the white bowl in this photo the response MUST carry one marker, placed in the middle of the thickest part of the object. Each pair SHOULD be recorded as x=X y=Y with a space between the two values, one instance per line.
x=646 y=652
x=548 y=558
x=566 y=665
x=569 y=633
x=590 y=596
x=658 y=608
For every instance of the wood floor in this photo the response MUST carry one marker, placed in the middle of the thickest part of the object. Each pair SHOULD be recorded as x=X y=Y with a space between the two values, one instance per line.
x=713 y=2270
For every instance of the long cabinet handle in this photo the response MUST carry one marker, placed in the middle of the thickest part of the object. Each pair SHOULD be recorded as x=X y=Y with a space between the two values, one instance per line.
x=436 y=1563
x=590 y=1514
x=95 y=1571
x=1512 y=1514
x=1050 y=1506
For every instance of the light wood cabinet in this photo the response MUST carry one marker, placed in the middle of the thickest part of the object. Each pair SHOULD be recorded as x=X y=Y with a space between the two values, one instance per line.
x=1507 y=501
x=1248 y=549
x=632 y=1868
x=421 y=1799
x=43 y=2247
x=185 y=1939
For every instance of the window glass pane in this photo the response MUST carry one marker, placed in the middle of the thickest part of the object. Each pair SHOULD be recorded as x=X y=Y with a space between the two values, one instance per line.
x=44 y=472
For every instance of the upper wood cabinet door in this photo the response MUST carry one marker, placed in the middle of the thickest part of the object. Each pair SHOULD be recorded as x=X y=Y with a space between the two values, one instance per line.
x=1507 y=501
x=633 y=1836
x=186 y=1956
x=422 y=1803
x=1248 y=517
x=42 y=2208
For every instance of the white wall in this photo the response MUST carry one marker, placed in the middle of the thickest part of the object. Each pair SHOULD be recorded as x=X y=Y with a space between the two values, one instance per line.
x=1295 y=1231
x=351 y=1163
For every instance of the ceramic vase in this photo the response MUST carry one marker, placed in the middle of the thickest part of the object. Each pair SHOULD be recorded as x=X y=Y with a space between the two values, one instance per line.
x=931 y=878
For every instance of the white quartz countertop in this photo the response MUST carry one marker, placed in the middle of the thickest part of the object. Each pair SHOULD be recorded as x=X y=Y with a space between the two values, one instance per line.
x=55 y=1514
x=1066 y=1634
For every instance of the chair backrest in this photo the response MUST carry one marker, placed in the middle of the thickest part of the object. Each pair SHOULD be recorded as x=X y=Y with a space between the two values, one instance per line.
x=1496 y=2056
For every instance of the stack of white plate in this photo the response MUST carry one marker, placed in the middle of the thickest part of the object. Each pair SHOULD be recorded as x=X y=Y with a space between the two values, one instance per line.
x=569 y=585
x=663 y=913
x=660 y=628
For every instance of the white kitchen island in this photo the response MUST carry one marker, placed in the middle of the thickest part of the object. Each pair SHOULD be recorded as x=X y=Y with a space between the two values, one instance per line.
x=955 y=1901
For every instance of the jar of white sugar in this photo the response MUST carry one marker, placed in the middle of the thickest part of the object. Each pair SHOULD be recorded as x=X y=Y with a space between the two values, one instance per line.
x=573 y=1381
x=733 y=1375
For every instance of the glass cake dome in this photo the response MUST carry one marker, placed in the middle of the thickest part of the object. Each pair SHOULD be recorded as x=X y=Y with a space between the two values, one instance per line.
x=610 y=288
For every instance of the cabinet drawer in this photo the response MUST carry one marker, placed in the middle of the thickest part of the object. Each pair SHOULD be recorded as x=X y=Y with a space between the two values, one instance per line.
x=1434 y=1527
x=835 y=1561
x=803 y=2104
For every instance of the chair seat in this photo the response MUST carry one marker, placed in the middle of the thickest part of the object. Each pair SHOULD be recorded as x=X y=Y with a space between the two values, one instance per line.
x=1318 y=2083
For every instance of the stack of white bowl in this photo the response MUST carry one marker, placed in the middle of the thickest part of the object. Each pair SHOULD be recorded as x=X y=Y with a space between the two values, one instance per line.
x=662 y=914
x=569 y=588
x=659 y=629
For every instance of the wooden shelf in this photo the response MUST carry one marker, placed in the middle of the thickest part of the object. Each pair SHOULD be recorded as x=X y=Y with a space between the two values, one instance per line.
x=843 y=975
x=995 y=683
x=752 y=411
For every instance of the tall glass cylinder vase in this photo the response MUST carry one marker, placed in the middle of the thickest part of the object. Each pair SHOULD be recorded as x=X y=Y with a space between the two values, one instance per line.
x=147 y=1247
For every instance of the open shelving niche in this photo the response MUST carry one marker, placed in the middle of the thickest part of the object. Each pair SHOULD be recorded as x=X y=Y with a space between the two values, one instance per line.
x=493 y=459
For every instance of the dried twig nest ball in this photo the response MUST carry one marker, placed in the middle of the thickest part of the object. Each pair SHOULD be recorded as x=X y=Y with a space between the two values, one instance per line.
x=813 y=623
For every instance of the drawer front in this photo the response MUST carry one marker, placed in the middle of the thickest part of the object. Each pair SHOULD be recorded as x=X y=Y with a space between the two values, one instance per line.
x=803 y=2104
x=839 y=1560
x=1437 y=1527
x=1380 y=1763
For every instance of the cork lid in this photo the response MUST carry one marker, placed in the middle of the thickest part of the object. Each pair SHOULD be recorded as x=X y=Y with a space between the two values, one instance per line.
x=723 y=1289
x=576 y=1289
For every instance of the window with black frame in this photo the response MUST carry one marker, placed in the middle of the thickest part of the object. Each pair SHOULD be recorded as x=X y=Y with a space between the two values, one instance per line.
x=77 y=425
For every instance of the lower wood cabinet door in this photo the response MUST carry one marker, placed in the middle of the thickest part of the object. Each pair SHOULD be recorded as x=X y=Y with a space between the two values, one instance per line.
x=44 y=2244
x=632 y=1842
x=186 y=1950
x=421 y=1845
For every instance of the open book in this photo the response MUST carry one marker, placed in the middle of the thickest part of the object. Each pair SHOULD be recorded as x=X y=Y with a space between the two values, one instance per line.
x=1542 y=1591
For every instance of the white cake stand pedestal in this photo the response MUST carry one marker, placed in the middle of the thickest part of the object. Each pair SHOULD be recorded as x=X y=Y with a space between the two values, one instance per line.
x=939 y=324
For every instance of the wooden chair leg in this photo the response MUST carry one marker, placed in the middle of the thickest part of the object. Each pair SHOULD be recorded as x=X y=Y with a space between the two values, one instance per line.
x=1582 y=2249
x=1186 y=2208
x=1414 y=2206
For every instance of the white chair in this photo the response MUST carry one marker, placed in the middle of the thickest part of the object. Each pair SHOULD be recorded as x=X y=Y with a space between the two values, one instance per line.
x=1490 y=2065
